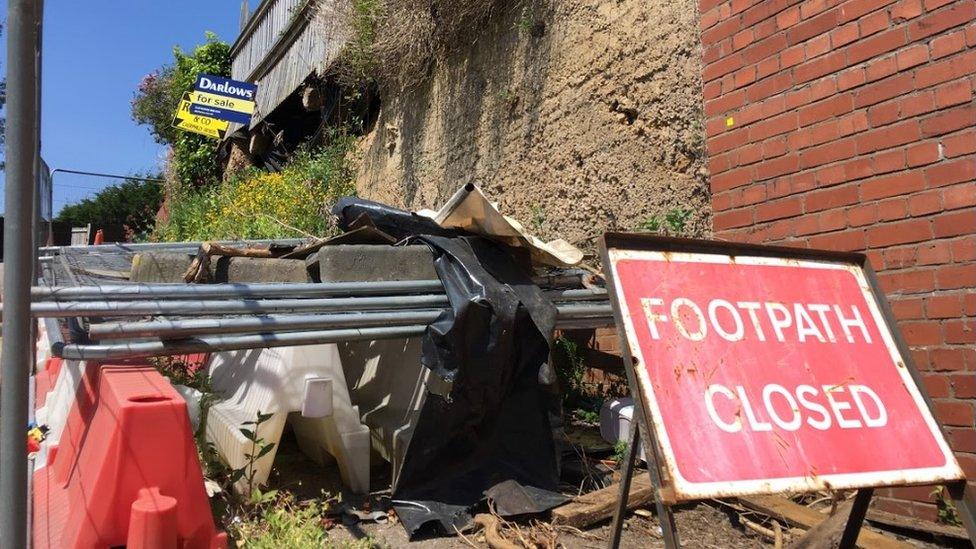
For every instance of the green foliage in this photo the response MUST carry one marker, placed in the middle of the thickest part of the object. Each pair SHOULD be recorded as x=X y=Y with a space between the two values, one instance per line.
x=157 y=98
x=294 y=202
x=539 y=220
x=291 y=524
x=569 y=367
x=195 y=156
x=677 y=218
x=526 y=20
x=259 y=449
x=359 y=59
x=620 y=450
x=181 y=372
x=154 y=104
x=650 y=225
x=587 y=416
x=946 y=510
x=286 y=524
x=133 y=203
x=674 y=222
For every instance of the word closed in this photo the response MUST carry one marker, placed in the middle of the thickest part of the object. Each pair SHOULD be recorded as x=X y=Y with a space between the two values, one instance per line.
x=766 y=374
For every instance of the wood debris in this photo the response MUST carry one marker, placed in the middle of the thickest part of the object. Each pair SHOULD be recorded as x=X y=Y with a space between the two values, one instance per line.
x=783 y=509
x=590 y=508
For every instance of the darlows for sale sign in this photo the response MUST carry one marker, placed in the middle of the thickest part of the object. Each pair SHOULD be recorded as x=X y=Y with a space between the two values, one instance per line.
x=767 y=374
x=223 y=98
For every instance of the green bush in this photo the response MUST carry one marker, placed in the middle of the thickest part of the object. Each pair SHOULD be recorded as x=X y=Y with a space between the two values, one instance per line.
x=285 y=524
x=133 y=203
x=194 y=159
x=294 y=202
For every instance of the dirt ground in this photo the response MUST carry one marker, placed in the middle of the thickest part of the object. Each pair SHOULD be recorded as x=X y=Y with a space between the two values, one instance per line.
x=706 y=525
x=577 y=116
x=702 y=526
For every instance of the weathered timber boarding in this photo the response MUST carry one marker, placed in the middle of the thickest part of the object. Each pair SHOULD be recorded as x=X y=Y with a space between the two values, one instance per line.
x=277 y=50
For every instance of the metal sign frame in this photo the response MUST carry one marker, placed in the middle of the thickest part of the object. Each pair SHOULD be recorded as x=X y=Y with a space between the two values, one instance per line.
x=962 y=496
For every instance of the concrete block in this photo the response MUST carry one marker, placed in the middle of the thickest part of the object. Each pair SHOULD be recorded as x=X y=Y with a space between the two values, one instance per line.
x=256 y=269
x=159 y=267
x=289 y=383
x=170 y=267
x=359 y=262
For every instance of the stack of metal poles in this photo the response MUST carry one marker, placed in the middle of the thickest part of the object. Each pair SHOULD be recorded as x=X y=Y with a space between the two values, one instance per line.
x=142 y=320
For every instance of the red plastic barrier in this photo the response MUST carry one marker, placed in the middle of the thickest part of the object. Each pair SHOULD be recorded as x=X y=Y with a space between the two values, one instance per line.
x=44 y=381
x=125 y=471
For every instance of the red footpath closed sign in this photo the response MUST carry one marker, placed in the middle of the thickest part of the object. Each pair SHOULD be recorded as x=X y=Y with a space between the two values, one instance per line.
x=768 y=374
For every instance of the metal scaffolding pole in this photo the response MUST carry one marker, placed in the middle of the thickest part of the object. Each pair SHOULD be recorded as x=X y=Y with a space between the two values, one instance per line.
x=190 y=247
x=232 y=306
x=215 y=343
x=261 y=290
x=172 y=329
x=22 y=143
x=252 y=290
x=187 y=307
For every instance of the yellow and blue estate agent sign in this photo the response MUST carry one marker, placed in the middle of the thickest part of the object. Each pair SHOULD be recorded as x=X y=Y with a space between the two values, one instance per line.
x=223 y=98
x=185 y=120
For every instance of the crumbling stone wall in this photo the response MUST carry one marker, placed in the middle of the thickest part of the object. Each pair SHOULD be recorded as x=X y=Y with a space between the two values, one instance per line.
x=577 y=116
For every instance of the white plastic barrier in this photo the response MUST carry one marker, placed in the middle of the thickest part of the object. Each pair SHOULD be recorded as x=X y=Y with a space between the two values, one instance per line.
x=389 y=384
x=43 y=348
x=57 y=405
x=615 y=418
x=305 y=385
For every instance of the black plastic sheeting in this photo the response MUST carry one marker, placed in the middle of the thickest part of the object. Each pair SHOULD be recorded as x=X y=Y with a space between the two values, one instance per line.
x=491 y=433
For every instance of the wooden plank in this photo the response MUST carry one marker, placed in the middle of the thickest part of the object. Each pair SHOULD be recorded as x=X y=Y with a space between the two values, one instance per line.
x=598 y=505
x=827 y=534
x=918 y=525
x=784 y=509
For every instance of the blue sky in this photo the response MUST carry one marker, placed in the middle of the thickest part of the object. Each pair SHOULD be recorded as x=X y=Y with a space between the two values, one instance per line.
x=95 y=53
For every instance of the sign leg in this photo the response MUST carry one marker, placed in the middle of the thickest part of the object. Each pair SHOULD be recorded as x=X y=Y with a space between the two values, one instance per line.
x=668 y=529
x=664 y=514
x=626 y=477
x=854 y=521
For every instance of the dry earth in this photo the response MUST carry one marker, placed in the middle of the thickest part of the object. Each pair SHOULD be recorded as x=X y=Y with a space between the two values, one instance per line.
x=706 y=525
x=576 y=115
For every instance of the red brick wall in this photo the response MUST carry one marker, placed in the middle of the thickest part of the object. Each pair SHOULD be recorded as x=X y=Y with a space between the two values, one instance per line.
x=849 y=125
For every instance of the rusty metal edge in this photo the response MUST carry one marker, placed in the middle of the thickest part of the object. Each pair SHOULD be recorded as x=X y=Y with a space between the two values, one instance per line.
x=963 y=496
x=648 y=437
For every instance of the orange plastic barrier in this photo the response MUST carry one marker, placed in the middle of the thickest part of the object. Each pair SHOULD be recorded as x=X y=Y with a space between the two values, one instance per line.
x=44 y=381
x=125 y=471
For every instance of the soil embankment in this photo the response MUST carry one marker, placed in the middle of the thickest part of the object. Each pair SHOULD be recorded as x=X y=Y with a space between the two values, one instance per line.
x=576 y=116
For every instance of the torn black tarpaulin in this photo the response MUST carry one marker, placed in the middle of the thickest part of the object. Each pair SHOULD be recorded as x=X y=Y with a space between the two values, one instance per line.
x=509 y=499
x=492 y=428
x=392 y=221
